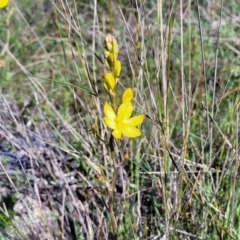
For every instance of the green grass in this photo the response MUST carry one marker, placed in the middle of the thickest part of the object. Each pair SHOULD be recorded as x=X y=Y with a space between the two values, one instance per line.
x=182 y=179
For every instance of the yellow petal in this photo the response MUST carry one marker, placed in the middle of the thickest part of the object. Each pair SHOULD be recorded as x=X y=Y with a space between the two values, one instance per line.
x=109 y=122
x=134 y=121
x=117 y=134
x=131 y=132
x=127 y=95
x=3 y=3
x=125 y=110
x=109 y=112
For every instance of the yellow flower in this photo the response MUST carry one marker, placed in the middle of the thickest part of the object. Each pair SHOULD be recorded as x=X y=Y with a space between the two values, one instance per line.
x=122 y=123
x=3 y=3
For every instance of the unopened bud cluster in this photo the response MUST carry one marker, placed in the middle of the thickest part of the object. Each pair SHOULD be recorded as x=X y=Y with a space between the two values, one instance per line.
x=112 y=64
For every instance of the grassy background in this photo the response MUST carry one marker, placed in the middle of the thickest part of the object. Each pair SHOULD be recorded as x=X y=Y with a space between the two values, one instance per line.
x=182 y=60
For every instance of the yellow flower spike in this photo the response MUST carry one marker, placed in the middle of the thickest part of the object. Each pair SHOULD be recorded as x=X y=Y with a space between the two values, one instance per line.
x=3 y=3
x=109 y=81
x=127 y=95
x=117 y=68
x=122 y=123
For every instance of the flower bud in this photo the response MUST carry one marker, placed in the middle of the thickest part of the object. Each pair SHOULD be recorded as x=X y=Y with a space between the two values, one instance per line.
x=111 y=44
x=127 y=95
x=109 y=61
x=117 y=68
x=99 y=178
x=109 y=81
x=126 y=154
